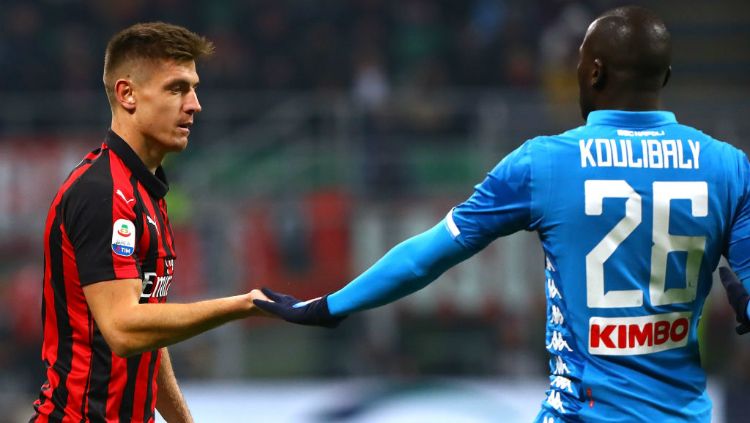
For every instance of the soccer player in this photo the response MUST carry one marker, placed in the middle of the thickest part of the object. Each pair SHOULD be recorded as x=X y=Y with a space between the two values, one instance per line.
x=109 y=256
x=633 y=210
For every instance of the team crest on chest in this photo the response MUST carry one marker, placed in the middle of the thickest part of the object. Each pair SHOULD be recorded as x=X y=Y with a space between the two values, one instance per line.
x=123 y=237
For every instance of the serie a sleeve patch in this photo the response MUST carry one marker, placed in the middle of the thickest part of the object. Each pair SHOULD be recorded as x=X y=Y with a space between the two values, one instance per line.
x=123 y=237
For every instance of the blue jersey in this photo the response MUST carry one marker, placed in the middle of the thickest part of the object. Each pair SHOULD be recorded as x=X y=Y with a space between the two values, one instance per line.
x=634 y=212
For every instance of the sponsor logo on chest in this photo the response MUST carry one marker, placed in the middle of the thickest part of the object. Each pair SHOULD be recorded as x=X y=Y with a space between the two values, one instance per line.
x=638 y=335
x=157 y=286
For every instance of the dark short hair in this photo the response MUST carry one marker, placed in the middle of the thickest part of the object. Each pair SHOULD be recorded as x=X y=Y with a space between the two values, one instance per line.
x=152 y=41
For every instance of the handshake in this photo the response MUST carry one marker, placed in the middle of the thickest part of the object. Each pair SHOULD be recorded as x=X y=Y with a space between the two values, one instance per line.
x=311 y=313
x=315 y=312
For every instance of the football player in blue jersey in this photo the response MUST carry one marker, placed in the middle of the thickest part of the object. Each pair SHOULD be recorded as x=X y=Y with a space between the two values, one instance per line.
x=633 y=210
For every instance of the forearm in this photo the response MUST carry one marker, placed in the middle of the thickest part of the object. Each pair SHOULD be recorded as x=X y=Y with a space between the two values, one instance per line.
x=145 y=327
x=169 y=400
x=406 y=268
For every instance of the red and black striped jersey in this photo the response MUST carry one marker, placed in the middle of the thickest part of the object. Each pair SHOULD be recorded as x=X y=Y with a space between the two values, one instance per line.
x=108 y=221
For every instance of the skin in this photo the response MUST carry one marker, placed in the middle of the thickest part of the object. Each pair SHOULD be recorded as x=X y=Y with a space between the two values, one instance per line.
x=624 y=62
x=156 y=103
x=154 y=106
x=169 y=401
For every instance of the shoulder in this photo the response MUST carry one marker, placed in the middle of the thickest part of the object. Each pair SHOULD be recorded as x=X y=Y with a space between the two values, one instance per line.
x=534 y=151
x=698 y=134
x=93 y=182
x=723 y=152
x=96 y=190
x=548 y=144
x=728 y=163
x=530 y=146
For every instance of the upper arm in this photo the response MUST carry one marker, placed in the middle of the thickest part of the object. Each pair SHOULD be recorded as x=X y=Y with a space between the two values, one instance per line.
x=738 y=247
x=101 y=229
x=110 y=302
x=499 y=206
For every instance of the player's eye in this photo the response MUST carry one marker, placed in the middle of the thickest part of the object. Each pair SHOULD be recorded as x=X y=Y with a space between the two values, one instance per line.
x=178 y=88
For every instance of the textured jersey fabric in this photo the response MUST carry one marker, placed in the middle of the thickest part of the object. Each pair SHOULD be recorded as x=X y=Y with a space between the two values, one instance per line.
x=107 y=222
x=634 y=212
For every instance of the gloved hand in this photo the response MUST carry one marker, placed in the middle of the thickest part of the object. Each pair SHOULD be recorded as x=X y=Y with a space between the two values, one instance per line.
x=312 y=313
x=738 y=298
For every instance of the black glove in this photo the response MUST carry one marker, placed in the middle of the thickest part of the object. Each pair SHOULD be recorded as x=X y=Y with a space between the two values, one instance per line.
x=738 y=298
x=311 y=313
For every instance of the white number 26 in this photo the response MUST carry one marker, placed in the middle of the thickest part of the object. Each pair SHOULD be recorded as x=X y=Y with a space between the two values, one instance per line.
x=663 y=242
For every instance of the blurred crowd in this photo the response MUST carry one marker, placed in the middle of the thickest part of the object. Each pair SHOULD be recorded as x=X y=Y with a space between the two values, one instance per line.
x=373 y=51
x=292 y=45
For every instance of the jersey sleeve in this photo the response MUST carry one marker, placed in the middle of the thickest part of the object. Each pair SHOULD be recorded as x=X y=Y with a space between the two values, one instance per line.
x=499 y=206
x=406 y=268
x=101 y=231
x=738 y=247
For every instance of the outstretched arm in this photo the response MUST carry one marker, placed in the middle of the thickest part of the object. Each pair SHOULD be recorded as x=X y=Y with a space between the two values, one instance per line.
x=406 y=268
x=130 y=327
x=500 y=205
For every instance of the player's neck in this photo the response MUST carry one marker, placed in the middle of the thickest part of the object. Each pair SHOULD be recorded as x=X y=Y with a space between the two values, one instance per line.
x=148 y=152
x=632 y=101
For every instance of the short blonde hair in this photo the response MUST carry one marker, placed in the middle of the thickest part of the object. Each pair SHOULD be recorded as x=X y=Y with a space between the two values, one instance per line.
x=151 y=41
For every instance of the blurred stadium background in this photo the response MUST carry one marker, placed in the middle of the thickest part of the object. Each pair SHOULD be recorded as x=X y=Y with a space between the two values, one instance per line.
x=332 y=130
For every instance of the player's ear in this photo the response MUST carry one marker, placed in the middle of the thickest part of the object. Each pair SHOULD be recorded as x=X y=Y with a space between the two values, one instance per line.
x=598 y=75
x=125 y=94
x=666 y=77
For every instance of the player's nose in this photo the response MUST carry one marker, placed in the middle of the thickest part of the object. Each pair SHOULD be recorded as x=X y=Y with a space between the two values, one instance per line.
x=192 y=105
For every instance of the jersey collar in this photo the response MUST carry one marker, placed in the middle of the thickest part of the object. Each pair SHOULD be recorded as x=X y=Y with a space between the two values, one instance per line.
x=155 y=184
x=629 y=119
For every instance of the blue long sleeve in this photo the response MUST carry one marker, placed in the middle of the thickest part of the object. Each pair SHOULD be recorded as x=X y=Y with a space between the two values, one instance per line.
x=406 y=268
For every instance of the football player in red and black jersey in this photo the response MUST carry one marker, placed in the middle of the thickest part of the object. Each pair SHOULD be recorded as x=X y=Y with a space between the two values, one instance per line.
x=109 y=254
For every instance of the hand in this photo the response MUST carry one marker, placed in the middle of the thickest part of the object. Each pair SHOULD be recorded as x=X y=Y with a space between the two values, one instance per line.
x=256 y=294
x=312 y=313
x=738 y=298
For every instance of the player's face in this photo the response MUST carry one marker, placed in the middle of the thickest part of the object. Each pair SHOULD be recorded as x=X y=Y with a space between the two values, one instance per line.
x=167 y=103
